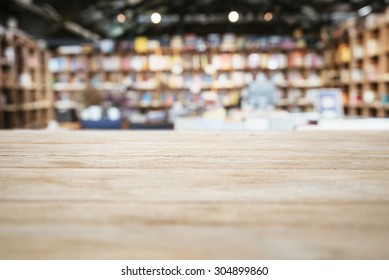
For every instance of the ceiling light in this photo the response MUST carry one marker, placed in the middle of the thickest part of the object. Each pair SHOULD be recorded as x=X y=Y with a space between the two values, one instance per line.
x=233 y=16
x=365 y=11
x=121 y=18
x=156 y=18
x=268 y=16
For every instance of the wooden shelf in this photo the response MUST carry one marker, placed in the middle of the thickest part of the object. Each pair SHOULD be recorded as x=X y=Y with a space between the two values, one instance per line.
x=149 y=107
x=197 y=67
x=29 y=106
x=373 y=65
x=30 y=102
x=367 y=106
x=300 y=85
x=69 y=87
x=287 y=103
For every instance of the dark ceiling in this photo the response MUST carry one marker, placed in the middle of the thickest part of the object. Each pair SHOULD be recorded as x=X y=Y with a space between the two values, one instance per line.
x=93 y=19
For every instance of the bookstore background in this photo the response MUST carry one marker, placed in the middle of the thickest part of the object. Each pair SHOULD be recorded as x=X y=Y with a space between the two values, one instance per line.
x=224 y=65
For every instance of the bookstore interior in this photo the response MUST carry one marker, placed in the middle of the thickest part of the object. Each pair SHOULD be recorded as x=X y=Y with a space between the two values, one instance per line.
x=203 y=65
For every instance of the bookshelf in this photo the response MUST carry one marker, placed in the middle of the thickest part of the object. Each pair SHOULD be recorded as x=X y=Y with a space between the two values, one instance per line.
x=147 y=77
x=360 y=51
x=25 y=91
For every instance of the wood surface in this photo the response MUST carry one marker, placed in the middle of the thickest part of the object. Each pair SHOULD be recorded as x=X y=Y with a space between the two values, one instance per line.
x=181 y=195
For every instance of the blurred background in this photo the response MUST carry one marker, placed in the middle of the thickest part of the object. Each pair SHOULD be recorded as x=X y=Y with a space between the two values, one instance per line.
x=194 y=65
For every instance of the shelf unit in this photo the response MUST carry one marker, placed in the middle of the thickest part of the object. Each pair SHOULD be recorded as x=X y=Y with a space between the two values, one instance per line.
x=25 y=91
x=160 y=73
x=357 y=61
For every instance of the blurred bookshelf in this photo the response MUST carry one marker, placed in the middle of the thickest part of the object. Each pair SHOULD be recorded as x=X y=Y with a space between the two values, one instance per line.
x=25 y=90
x=149 y=76
x=147 y=82
x=357 y=61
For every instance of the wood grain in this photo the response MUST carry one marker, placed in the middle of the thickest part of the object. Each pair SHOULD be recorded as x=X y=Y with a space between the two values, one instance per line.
x=182 y=195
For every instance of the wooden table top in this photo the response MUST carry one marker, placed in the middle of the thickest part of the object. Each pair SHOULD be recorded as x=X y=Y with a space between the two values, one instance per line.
x=182 y=195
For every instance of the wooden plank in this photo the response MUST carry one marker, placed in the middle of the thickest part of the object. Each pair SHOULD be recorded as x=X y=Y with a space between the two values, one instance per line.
x=181 y=195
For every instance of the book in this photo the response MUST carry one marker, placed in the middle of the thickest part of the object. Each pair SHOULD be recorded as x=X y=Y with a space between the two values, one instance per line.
x=238 y=78
x=153 y=45
x=146 y=100
x=238 y=62
x=216 y=62
x=296 y=59
x=111 y=63
x=107 y=46
x=139 y=63
x=371 y=71
x=214 y=40
x=372 y=46
x=294 y=95
x=278 y=78
x=253 y=60
x=177 y=42
x=126 y=63
x=201 y=44
x=190 y=41
x=356 y=75
x=141 y=44
x=175 y=81
x=228 y=42
x=294 y=75
x=358 y=51
x=384 y=98
x=344 y=76
x=189 y=60
x=368 y=96
x=313 y=60
x=95 y=63
x=156 y=63
x=344 y=53
x=277 y=61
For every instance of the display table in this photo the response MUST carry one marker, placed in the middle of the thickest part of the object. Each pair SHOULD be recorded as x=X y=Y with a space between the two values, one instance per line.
x=287 y=122
x=180 y=195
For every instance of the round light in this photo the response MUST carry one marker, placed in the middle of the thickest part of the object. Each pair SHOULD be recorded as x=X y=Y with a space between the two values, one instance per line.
x=268 y=16
x=121 y=18
x=233 y=16
x=156 y=18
